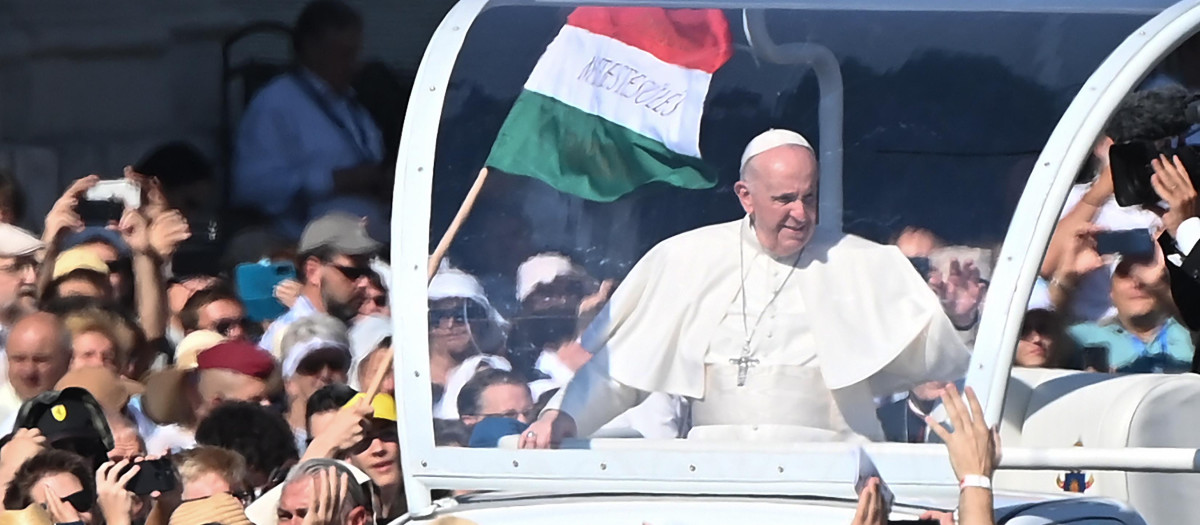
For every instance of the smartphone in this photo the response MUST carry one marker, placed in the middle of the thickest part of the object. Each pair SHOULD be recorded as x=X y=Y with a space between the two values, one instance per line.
x=154 y=476
x=1096 y=358
x=123 y=191
x=1130 y=243
x=256 y=287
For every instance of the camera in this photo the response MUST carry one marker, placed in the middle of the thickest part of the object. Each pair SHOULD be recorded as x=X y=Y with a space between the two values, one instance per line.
x=1148 y=124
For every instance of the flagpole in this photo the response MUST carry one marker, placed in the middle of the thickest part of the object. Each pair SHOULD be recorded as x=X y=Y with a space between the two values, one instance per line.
x=464 y=210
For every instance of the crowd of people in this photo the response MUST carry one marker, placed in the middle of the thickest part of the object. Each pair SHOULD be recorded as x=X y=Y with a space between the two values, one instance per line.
x=136 y=389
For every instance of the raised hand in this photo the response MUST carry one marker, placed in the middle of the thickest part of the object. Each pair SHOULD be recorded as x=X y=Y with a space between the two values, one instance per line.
x=1173 y=184
x=961 y=291
x=167 y=231
x=330 y=488
x=870 y=509
x=346 y=430
x=154 y=199
x=116 y=503
x=62 y=216
x=135 y=231
x=287 y=291
x=61 y=511
x=974 y=448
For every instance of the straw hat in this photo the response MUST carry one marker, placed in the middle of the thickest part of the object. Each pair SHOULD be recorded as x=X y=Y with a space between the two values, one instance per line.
x=191 y=346
x=109 y=389
x=219 y=508
x=34 y=514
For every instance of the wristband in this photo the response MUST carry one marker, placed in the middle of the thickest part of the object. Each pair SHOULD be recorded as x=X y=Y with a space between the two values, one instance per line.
x=976 y=481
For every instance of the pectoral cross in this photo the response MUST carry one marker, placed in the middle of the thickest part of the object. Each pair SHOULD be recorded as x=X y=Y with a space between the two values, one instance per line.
x=743 y=363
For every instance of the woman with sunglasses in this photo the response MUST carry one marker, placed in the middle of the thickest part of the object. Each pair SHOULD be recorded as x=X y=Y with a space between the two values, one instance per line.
x=58 y=480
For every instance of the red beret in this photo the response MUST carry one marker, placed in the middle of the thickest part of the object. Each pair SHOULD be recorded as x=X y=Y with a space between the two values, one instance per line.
x=238 y=356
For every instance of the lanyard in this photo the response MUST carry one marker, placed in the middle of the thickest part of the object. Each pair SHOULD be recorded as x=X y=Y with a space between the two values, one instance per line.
x=356 y=137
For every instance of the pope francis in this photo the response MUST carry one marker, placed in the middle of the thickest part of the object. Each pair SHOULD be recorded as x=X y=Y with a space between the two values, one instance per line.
x=775 y=329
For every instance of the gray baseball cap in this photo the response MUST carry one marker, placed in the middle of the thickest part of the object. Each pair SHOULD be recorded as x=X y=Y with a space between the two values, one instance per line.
x=16 y=242
x=341 y=232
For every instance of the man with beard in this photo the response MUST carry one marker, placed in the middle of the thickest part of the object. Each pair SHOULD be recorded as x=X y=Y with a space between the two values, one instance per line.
x=334 y=266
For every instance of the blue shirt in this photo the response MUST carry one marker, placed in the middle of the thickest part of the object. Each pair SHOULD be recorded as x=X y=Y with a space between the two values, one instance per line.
x=1170 y=351
x=288 y=147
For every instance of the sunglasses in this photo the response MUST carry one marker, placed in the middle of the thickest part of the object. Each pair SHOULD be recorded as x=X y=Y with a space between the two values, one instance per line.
x=225 y=326
x=82 y=501
x=312 y=366
x=470 y=311
x=386 y=434
x=353 y=273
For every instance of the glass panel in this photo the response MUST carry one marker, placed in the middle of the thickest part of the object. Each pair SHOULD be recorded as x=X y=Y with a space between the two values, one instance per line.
x=1105 y=301
x=944 y=115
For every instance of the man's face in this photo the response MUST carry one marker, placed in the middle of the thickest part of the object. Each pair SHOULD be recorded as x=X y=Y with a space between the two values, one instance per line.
x=344 y=284
x=293 y=501
x=448 y=326
x=1034 y=350
x=334 y=55
x=219 y=386
x=94 y=350
x=321 y=367
x=1134 y=287
x=504 y=400
x=379 y=454
x=226 y=317
x=18 y=276
x=779 y=192
x=62 y=484
x=35 y=362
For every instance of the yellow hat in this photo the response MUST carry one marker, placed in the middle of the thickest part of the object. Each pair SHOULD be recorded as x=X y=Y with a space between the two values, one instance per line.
x=78 y=259
x=384 y=405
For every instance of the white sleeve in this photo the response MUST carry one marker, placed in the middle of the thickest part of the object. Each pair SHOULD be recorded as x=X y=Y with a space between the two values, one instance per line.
x=1188 y=235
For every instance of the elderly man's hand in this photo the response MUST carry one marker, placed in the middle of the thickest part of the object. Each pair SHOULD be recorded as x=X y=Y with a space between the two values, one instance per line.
x=549 y=430
x=961 y=291
x=1173 y=184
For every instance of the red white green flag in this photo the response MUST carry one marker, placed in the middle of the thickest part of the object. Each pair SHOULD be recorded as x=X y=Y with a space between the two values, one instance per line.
x=615 y=102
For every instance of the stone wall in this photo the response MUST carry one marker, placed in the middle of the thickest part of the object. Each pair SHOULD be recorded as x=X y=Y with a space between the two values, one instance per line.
x=90 y=87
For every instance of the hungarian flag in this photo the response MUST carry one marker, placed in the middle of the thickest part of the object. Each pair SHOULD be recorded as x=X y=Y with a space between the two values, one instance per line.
x=615 y=102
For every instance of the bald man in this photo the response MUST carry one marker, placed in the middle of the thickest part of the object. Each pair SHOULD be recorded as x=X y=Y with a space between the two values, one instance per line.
x=777 y=330
x=178 y=400
x=39 y=354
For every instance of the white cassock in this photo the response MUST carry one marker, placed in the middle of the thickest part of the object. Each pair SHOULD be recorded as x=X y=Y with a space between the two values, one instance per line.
x=852 y=321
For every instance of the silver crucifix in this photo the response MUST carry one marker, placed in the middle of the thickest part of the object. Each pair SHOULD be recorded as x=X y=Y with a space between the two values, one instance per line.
x=743 y=363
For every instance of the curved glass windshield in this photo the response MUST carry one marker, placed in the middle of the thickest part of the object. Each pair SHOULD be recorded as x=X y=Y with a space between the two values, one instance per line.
x=632 y=269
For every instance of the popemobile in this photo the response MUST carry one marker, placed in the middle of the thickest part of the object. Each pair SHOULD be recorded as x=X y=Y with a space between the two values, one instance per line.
x=609 y=127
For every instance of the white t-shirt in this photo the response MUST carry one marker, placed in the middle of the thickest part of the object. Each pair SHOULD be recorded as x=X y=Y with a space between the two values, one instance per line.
x=1091 y=301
